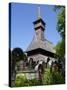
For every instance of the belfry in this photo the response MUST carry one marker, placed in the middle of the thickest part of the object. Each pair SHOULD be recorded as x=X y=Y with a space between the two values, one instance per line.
x=40 y=48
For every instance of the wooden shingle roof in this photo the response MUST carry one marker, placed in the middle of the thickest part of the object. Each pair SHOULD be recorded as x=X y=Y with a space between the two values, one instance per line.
x=45 y=45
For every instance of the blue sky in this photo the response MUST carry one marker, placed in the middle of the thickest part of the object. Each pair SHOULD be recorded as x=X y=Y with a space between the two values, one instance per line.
x=22 y=28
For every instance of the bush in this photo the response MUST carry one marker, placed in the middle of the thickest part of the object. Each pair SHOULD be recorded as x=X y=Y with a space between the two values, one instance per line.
x=47 y=77
x=33 y=82
x=54 y=77
x=58 y=78
x=23 y=81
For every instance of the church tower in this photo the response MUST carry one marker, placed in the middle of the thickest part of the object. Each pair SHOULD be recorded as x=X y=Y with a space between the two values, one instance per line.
x=40 y=48
x=39 y=26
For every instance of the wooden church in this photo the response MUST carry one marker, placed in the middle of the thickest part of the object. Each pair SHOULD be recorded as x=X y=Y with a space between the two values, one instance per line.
x=40 y=48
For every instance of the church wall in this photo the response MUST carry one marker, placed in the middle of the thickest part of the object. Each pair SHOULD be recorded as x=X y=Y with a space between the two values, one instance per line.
x=39 y=57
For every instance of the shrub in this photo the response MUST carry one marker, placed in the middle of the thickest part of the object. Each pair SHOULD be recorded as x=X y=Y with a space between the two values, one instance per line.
x=47 y=77
x=21 y=80
x=53 y=78
x=58 y=78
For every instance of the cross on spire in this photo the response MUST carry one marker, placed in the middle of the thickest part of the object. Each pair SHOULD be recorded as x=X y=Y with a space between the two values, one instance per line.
x=39 y=12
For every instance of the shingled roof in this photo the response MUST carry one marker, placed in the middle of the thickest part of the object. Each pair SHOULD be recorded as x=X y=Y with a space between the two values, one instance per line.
x=45 y=45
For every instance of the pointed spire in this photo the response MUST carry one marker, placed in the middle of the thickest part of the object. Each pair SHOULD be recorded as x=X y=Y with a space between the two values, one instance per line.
x=39 y=12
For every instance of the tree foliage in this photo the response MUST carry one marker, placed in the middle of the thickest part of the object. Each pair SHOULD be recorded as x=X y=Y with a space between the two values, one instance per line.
x=17 y=54
x=60 y=47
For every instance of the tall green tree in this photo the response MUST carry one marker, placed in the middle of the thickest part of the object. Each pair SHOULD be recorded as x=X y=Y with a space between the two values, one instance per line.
x=60 y=47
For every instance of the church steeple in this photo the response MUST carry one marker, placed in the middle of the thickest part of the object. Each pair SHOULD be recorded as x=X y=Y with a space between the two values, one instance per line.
x=39 y=26
x=39 y=46
x=39 y=13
